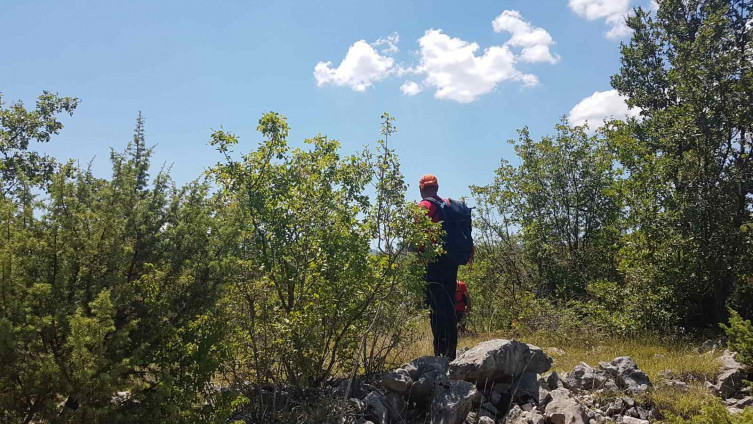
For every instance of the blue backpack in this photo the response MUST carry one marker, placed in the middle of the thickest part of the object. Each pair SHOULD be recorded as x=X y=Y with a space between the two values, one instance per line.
x=457 y=225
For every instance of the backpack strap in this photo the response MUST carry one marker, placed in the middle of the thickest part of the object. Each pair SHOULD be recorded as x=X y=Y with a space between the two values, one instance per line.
x=439 y=204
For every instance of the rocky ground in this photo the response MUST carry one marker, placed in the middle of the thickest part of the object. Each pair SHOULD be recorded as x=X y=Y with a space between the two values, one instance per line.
x=508 y=381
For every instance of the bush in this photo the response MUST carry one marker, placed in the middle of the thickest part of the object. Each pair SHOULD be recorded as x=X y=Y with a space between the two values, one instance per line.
x=108 y=290
x=313 y=295
x=715 y=413
x=740 y=334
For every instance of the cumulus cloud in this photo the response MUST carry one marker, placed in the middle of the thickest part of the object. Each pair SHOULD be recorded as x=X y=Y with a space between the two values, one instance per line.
x=410 y=88
x=535 y=41
x=452 y=66
x=361 y=67
x=601 y=105
x=613 y=12
x=457 y=69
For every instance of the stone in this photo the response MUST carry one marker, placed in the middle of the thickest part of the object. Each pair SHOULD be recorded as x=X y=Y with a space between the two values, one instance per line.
x=493 y=411
x=626 y=374
x=631 y=420
x=642 y=412
x=424 y=364
x=375 y=408
x=565 y=411
x=398 y=381
x=731 y=375
x=426 y=372
x=471 y=418
x=708 y=346
x=396 y=406
x=544 y=396
x=519 y=416
x=746 y=401
x=452 y=401
x=498 y=360
x=555 y=351
x=526 y=387
x=678 y=385
x=421 y=391
x=485 y=420
x=553 y=381
x=616 y=407
x=585 y=377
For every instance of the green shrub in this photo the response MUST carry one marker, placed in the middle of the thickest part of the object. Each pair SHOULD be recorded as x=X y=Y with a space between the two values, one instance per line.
x=740 y=334
x=715 y=413
x=108 y=286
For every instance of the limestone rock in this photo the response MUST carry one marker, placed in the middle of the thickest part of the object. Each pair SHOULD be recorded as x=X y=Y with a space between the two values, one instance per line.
x=426 y=372
x=471 y=418
x=631 y=420
x=526 y=387
x=553 y=381
x=398 y=381
x=376 y=410
x=555 y=351
x=585 y=377
x=731 y=375
x=565 y=410
x=452 y=401
x=499 y=360
x=627 y=374
x=519 y=416
x=424 y=364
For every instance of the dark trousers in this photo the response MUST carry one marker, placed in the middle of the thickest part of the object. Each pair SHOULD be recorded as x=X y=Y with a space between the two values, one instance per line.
x=441 y=281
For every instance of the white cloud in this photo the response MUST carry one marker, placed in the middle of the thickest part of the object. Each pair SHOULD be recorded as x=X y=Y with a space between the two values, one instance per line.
x=613 y=12
x=361 y=67
x=390 y=41
x=535 y=41
x=453 y=68
x=599 y=106
x=457 y=69
x=410 y=88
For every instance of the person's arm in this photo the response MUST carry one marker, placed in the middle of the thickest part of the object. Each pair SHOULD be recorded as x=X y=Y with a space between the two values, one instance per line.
x=468 y=302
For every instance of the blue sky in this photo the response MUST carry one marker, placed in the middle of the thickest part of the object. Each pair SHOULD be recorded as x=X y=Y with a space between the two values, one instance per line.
x=193 y=66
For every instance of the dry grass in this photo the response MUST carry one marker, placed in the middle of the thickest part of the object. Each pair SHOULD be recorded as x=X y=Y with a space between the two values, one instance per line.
x=652 y=355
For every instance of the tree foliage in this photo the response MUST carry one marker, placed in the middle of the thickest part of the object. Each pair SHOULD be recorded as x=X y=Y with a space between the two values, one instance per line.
x=689 y=69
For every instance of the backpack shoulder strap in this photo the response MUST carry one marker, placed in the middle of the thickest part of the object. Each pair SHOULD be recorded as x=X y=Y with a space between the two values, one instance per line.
x=437 y=202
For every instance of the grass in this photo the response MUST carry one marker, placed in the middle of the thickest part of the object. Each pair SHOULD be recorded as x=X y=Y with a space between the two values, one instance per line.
x=652 y=355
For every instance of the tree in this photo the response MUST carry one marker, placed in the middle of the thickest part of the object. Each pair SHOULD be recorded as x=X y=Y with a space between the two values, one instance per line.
x=690 y=71
x=108 y=293
x=18 y=127
x=308 y=286
x=562 y=198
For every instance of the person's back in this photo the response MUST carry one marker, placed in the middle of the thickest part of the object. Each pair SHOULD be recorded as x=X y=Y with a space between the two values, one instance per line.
x=441 y=277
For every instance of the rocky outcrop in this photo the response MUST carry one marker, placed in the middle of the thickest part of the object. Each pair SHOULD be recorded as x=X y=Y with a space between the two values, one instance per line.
x=452 y=401
x=622 y=374
x=398 y=381
x=519 y=416
x=626 y=374
x=426 y=372
x=730 y=378
x=499 y=382
x=499 y=360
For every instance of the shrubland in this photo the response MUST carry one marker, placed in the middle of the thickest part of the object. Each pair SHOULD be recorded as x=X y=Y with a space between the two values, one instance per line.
x=132 y=298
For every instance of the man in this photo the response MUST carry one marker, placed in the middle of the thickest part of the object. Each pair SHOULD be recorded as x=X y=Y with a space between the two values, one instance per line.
x=441 y=278
x=462 y=305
